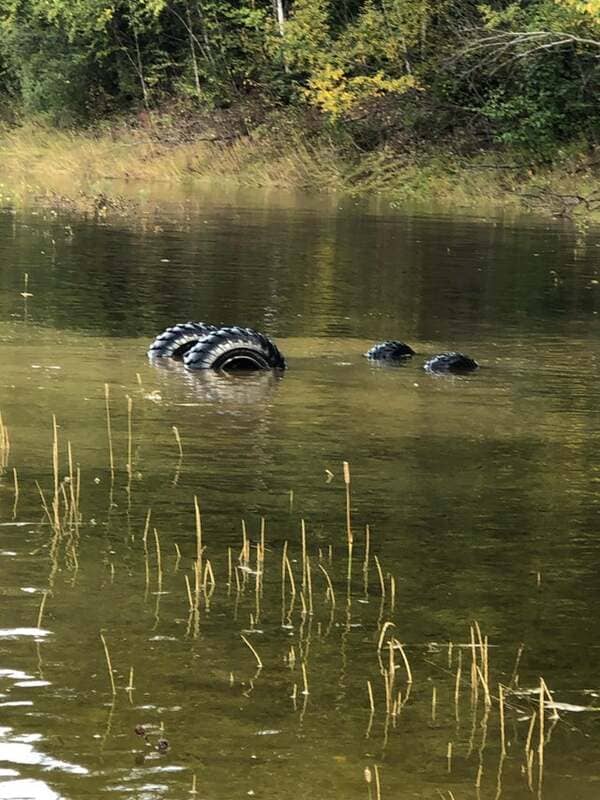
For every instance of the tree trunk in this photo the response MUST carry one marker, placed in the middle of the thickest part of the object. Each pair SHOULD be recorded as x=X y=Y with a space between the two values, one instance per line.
x=279 y=15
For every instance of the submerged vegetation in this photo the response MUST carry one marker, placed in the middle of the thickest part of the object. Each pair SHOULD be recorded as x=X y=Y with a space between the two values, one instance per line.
x=410 y=97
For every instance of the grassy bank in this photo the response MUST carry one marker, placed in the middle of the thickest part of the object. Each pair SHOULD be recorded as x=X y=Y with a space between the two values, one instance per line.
x=87 y=170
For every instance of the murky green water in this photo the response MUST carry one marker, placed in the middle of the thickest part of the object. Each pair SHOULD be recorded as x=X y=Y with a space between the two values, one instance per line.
x=481 y=494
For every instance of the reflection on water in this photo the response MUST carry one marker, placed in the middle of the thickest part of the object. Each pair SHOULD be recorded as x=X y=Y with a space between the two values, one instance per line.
x=231 y=390
x=382 y=620
x=22 y=750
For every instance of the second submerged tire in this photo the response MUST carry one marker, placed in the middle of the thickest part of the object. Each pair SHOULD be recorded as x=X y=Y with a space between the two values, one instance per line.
x=233 y=349
x=391 y=350
x=451 y=362
x=175 y=341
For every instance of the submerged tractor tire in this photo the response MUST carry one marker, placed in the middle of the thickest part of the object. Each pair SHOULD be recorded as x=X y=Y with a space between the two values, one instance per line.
x=175 y=341
x=234 y=349
x=451 y=362
x=390 y=351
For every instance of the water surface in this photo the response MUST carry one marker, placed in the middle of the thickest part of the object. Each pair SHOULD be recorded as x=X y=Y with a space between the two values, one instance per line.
x=480 y=493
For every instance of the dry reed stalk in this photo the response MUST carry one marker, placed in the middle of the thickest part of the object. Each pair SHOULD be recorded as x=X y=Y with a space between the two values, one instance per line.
x=391 y=670
x=479 y=640
x=392 y=593
x=109 y=665
x=175 y=480
x=256 y=656
x=198 y=521
x=330 y=593
x=366 y=560
x=16 y=489
x=229 y=569
x=193 y=790
x=305 y=691
x=55 y=470
x=189 y=593
x=555 y=714
x=479 y=777
x=486 y=660
x=177 y=553
x=78 y=494
x=349 y=535
x=388 y=694
x=514 y=678
x=158 y=561
x=474 y=679
x=450 y=651
x=73 y=511
x=257 y=582
x=371 y=699
x=129 y=437
x=457 y=686
x=384 y=628
x=541 y=722
x=146 y=528
x=530 y=734
x=111 y=458
x=399 y=646
x=433 y=703
x=309 y=586
x=303 y=541
x=130 y=687
x=46 y=509
x=304 y=606
x=244 y=557
x=4 y=444
x=530 y=756
x=209 y=576
x=178 y=440
x=380 y=574
x=377 y=783
x=291 y=658
x=288 y=567
x=283 y=573
x=40 y=615
x=449 y=756
x=486 y=688
x=501 y=709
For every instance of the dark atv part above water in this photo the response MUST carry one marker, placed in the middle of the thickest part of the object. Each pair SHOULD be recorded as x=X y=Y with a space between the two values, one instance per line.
x=175 y=341
x=234 y=349
x=229 y=349
x=390 y=351
x=451 y=362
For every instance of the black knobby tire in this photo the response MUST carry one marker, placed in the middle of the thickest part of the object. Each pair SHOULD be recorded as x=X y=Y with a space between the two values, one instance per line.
x=175 y=341
x=390 y=351
x=451 y=362
x=232 y=349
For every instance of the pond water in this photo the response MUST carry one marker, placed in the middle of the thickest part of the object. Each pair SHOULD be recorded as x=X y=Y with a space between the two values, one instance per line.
x=480 y=494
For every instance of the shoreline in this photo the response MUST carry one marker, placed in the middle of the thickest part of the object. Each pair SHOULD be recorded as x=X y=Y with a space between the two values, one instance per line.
x=102 y=172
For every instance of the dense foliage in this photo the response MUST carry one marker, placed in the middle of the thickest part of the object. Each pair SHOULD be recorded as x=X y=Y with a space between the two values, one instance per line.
x=526 y=73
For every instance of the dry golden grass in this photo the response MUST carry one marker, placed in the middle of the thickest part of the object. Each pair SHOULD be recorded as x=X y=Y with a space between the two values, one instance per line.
x=76 y=166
